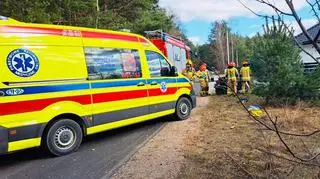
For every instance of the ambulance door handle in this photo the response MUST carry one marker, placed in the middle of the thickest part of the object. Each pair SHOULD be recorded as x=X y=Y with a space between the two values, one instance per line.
x=141 y=84
x=153 y=83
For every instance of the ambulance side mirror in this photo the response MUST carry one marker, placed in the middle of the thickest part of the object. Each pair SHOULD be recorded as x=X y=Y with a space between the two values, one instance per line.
x=174 y=71
x=165 y=71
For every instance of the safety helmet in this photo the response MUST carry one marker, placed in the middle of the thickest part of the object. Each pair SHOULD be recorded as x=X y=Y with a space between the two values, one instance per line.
x=232 y=64
x=203 y=67
x=245 y=62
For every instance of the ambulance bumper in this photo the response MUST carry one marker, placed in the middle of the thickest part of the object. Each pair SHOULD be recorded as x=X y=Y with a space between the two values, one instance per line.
x=3 y=140
x=193 y=100
x=18 y=138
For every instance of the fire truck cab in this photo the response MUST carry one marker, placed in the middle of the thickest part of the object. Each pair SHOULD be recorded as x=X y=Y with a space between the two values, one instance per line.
x=172 y=47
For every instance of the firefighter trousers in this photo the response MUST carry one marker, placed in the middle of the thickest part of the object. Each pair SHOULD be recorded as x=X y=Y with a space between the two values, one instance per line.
x=232 y=87
x=246 y=87
x=204 y=87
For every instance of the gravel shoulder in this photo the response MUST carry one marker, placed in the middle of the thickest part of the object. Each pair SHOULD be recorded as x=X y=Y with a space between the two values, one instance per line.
x=164 y=155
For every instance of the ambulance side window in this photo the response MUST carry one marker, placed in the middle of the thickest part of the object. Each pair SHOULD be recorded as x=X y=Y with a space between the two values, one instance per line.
x=107 y=63
x=158 y=66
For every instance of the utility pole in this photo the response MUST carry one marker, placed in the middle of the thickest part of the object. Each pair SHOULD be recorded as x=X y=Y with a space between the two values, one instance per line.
x=232 y=52
x=228 y=53
x=98 y=13
x=237 y=54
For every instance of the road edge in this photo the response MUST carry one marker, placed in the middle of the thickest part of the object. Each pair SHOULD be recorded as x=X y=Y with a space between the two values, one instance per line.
x=131 y=154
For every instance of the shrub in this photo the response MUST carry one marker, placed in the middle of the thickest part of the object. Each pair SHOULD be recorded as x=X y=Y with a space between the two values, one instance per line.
x=276 y=63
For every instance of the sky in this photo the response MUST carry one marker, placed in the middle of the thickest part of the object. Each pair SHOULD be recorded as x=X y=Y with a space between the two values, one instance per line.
x=196 y=16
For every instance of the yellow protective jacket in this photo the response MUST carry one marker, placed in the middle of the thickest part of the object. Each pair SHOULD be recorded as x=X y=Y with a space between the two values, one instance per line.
x=245 y=73
x=189 y=73
x=232 y=74
x=203 y=75
x=189 y=61
x=203 y=78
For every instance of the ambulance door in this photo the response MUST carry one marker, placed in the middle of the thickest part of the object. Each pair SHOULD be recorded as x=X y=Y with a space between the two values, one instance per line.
x=119 y=91
x=162 y=85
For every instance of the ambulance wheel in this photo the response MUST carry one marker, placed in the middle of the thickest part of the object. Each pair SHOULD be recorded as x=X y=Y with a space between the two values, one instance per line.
x=63 y=137
x=183 y=109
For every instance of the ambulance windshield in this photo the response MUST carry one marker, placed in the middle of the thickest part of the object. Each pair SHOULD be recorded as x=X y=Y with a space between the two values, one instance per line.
x=3 y=18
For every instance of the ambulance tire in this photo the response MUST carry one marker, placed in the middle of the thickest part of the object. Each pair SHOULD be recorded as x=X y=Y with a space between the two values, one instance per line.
x=63 y=137
x=183 y=109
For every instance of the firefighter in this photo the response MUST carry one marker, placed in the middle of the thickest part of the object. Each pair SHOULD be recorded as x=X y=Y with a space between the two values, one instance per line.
x=245 y=76
x=231 y=74
x=189 y=61
x=189 y=71
x=203 y=76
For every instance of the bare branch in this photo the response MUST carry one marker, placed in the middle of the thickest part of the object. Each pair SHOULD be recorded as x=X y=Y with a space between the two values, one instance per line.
x=301 y=48
x=275 y=8
x=295 y=40
x=287 y=146
x=291 y=160
x=259 y=15
x=302 y=27
x=315 y=13
x=281 y=139
x=291 y=134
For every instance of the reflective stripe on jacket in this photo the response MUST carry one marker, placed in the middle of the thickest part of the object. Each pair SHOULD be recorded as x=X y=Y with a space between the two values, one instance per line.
x=203 y=75
x=232 y=73
x=245 y=73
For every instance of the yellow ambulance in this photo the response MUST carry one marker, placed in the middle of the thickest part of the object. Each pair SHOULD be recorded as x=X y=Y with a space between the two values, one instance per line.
x=60 y=83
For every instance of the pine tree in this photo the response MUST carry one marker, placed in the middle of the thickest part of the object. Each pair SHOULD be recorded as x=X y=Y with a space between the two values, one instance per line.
x=276 y=62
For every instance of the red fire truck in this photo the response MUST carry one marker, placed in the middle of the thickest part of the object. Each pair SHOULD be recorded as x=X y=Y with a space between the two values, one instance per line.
x=172 y=47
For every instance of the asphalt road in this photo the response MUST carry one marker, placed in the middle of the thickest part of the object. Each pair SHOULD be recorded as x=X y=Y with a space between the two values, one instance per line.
x=98 y=156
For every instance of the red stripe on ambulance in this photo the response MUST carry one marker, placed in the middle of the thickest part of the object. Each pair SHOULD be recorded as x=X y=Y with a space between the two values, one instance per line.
x=117 y=96
x=30 y=30
x=101 y=35
x=39 y=104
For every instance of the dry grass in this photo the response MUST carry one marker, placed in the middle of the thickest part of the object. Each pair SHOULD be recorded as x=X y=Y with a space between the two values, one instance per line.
x=230 y=143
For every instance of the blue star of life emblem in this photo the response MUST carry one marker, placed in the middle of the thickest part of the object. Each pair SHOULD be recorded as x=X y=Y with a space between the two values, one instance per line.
x=163 y=87
x=23 y=62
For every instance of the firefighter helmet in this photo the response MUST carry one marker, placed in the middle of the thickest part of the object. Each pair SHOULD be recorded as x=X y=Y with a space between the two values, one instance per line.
x=232 y=64
x=245 y=62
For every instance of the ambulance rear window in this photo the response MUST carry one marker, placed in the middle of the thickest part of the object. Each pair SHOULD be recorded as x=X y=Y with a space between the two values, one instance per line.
x=106 y=63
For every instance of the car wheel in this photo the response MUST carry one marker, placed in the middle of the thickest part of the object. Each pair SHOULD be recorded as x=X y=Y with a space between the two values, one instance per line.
x=63 y=137
x=183 y=109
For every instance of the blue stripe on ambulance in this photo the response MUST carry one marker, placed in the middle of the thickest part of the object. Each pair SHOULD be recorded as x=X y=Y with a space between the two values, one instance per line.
x=168 y=80
x=49 y=89
x=85 y=86
x=115 y=84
